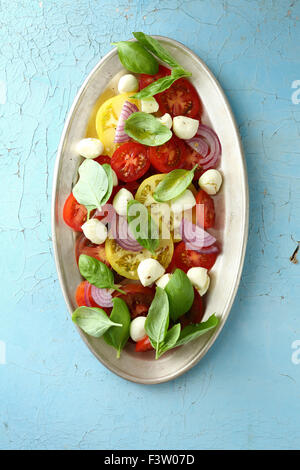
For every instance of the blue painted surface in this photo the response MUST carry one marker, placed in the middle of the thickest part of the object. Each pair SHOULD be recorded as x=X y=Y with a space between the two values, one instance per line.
x=53 y=393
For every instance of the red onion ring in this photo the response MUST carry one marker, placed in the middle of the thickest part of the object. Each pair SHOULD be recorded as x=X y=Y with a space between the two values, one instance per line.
x=86 y=294
x=208 y=158
x=199 y=145
x=127 y=109
x=123 y=235
x=207 y=250
x=194 y=236
x=102 y=297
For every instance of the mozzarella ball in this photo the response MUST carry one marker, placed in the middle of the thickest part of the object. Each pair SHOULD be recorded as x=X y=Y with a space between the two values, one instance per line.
x=90 y=147
x=183 y=202
x=199 y=278
x=163 y=281
x=166 y=120
x=149 y=105
x=149 y=270
x=210 y=181
x=95 y=231
x=115 y=178
x=128 y=83
x=121 y=200
x=137 y=329
x=185 y=127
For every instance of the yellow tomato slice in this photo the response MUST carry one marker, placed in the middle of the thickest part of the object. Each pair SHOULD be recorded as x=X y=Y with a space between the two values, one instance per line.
x=146 y=189
x=107 y=119
x=126 y=262
x=144 y=195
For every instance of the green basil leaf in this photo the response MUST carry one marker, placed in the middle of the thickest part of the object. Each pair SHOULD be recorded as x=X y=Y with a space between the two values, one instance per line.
x=146 y=129
x=92 y=184
x=170 y=340
x=157 y=321
x=173 y=184
x=97 y=273
x=191 y=332
x=156 y=48
x=180 y=294
x=143 y=227
x=115 y=336
x=135 y=58
x=93 y=321
x=161 y=84
x=108 y=170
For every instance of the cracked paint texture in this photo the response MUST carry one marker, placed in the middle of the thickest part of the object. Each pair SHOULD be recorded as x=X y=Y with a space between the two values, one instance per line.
x=53 y=392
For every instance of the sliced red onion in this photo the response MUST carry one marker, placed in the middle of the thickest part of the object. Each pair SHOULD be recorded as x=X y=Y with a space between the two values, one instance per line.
x=194 y=236
x=123 y=235
x=86 y=294
x=207 y=250
x=127 y=109
x=102 y=297
x=210 y=151
x=212 y=163
x=199 y=145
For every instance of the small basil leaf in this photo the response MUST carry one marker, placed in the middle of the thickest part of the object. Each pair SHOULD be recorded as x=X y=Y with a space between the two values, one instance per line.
x=157 y=321
x=109 y=174
x=91 y=186
x=93 y=321
x=170 y=340
x=173 y=184
x=97 y=273
x=135 y=58
x=156 y=48
x=115 y=336
x=146 y=129
x=191 y=332
x=143 y=227
x=180 y=294
x=161 y=84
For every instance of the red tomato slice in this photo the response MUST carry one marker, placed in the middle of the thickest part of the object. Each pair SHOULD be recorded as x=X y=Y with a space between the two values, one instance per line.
x=102 y=159
x=130 y=161
x=132 y=187
x=143 y=345
x=138 y=299
x=196 y=312
x=191 y=159
x=74 y=214
x=171 y=268
x=205 y=215
x=181 y=99
x=79 y=296
x=145 y=79
x=186 y=259
x=169 y=156
x=85 y=247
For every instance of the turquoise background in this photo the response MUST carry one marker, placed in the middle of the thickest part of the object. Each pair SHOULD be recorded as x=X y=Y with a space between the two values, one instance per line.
x=53 y=393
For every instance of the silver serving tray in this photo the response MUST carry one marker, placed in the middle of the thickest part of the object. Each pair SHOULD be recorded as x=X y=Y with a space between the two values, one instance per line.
x=231 y=210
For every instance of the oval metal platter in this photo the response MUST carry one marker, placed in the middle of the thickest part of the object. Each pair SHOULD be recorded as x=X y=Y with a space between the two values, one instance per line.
x=231 y=209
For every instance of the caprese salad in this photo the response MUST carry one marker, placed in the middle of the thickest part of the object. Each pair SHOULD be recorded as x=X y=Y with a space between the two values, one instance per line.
x=143 y=205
